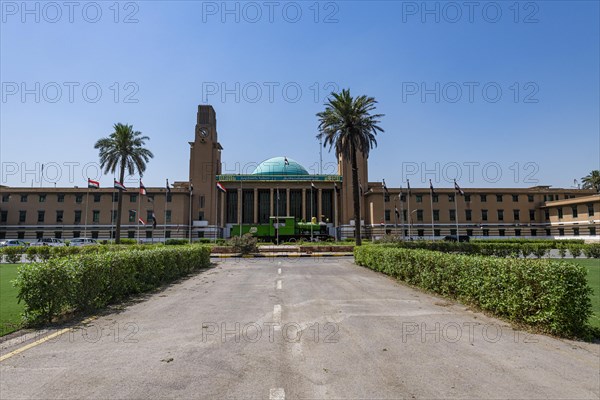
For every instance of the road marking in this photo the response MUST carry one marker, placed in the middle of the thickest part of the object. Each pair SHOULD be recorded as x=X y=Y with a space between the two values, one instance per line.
x=279 y=284
x=279 y=271
x=277 y=394
x=277 y=316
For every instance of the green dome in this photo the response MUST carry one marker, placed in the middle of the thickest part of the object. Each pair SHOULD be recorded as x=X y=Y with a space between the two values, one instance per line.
x=278 y=166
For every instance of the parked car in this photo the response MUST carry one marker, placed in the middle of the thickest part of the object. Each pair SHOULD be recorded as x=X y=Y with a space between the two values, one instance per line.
x=461 y=238
x=49 y=242
x=83 y=242
x=13 y=242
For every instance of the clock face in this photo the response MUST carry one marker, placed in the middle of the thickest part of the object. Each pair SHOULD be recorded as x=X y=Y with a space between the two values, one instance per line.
x=204 y=132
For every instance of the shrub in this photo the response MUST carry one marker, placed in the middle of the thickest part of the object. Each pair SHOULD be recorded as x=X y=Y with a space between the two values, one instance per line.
x=575 y=249
x=91 y=281
x=592 y=250
x=31 y=253
x=13 y=253
x=552 y=296
x=562 y=251
x=245 y=244
x=176 y=242
x=127 y=241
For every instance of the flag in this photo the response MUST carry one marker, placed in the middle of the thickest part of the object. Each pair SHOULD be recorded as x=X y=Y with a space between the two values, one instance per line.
x=153 y=221
x=120 y=186
x=285 y=160
x=431 y=188
x=396 y=211
x=312 y=185
x=150 y=199
x=335 y=187
x=385 y=189
x=191 y=188
x=221 y=187
x=141 y=221
x=143 y=191
x=408 y=187
x=458 y=189
x=93 y=184
x=168 y=188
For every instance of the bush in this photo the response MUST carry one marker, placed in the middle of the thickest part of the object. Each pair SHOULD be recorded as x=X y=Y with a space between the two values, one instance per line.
x=592 y=250
x=91 y=281
x=127 y=241
x=575 y=249
x=176 y=242
x=552 y=296
x=245 y=244
x=13 y=253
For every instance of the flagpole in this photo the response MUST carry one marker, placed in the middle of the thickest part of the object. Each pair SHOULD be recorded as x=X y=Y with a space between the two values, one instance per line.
x=190 y=221
x=277 y=215
x=456 y=210
x=311 y=211
x=87 y=202
x=383 y=189
x=165 y=220
x=138 y=210
x=431 y=201
x=402 y=212
x=112 y=215
x=242 y=203
x=409 y=214
x=335 y=212
x=216 y=214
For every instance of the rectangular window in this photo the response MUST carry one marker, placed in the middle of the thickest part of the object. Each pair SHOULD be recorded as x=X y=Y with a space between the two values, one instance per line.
x=500 y=215
x=452 y=215
x=3 y=216
x=530 y=198
x=78 y=198
x=167 y=234
x=59 y=216
x=114 y=216
x=168 y=215
x=148 y=234
x=248 y=205
x=58 y=234
x=517 y=232
x=436 y=198
x=387 y=215
x=574 y=211
x=515 y=198
x=97 y=197
x=96 y=216
x=133 y=198
x=484 y=215
x=467 y=198
x=22 y=216
x=468 y=215
x=419 y=198
x=41 y=216
x=561 y=231
x=483 y=198
x=469 y=232
x=60 y=198
x=592 y=231
x=590 y=210
x=200 y=215
x=39 y=235
x=436 y=215
x=451 y=198
x=502 y=232
x=23 y=198
x=202 y=201
x=403 y=198
x=42 y=198
x=499 y=198
x=20 y=235
x=94 y=234
x=517 y=215
x=77 y=216
x=547 y=214
x=386 y=197
x=131 y=234
x=560 y=212
x=532 y=215
x=295 y=203
x=420 y=216
x=115 y=197
x=437 y=232
x=575 y=231
x=169 y=198
x=453 y=231
x=421 y=232
x=548 y=232
x=149 y=216
x=534 y=232
x=404 y=216
x=5 y=198
x=131 y=216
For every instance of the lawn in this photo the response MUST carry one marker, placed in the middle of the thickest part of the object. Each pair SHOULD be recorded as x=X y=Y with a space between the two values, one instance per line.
x=10 y=311
x=593 y=277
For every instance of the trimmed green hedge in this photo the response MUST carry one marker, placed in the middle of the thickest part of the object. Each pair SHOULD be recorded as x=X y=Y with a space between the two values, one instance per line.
x=91 y=281
x=551 y=241
x=552 y=296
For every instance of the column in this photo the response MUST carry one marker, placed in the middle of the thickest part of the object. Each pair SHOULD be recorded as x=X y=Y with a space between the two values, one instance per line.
x=304 y=204
x=319 y=204
x=240 y=206
x=255 y=220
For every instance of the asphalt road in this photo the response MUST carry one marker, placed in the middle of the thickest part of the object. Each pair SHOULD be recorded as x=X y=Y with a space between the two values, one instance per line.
x=298 y=328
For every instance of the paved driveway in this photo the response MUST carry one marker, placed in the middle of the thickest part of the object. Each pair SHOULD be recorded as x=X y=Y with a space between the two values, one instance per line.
x=299 y=328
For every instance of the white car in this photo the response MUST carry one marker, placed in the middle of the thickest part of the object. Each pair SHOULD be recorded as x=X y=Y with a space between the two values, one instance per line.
x=83 y=242
x=49 y=242
x=13 y=242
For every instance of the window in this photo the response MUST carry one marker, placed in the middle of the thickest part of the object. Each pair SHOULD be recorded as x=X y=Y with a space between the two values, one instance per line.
x=515 y=198
x=530 y=198
x=419 y=198
x=387 y=215
x=532 y=215
x=58 y=234
x=404 y=215
x=534 y=232
x=149 y=216
x=23 y=198
x=469 y=232
x=575 y=231
x=453 y=232
x=201 y=216
x=592 y=231
x=420 y=216
x=133 y=198
x=59 y=216
x=574 y=211
x=560 y=212
x=202 y=201
x=590 y=209
x=501 y=232
x=484 y=215
x=517 y=215
x=168 y=216
x=42 y=198
x=39 y=235
x=76 y=234
x=115 y=197
x=436 y=215
x=131 y=234
x=20 y=235
x=500 y=215
x=547 y=214
x=132 y=215
x=499 y=198
x=114 y=216
x=386 y=197
x=483 y=198
x=561 y=231
x=467 y=197
x=97 y=197
x=548 y=232
x=169 y=198
x=94 y=234
x=96 y=216
x=22 y=216
x=403 y=197
x=78 y=198
x=451 y=198
x=517 y=232
x=452 y=215
x=436 y=198
x=77 y=216
x=2 y=235
x=421 y=232
x=148 y=234
x=437 y=232
x=486 y=232
x=5 y=198
x=3 y=216
x=41 y=215
x=60 y=198
x=468 y=215
x=167 y=234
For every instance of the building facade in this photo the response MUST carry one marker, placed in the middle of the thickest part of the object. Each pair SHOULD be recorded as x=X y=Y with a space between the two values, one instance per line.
x=208 y=204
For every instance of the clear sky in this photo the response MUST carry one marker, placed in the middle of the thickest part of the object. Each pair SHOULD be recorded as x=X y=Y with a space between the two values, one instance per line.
x=501 y=94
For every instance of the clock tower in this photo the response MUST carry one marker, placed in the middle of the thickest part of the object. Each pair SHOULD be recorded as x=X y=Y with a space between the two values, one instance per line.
x=205 y=165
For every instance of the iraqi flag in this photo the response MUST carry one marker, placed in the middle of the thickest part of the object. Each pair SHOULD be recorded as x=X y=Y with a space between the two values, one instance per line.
x=221 y=187
x=396 y=211
x=93 y=184
x=143 y=191
x=141 y=221
x=385 y=189
x=153 y=221
x=408 y=187
x=120 y=186
x=458 y=189
x=431 y=188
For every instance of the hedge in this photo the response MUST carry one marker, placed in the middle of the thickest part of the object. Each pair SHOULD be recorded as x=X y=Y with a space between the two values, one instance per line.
x=91 y=281
x=552 y=296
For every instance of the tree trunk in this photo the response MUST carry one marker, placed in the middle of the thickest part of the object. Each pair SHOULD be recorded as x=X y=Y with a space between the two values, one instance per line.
x=356 y=198
x=120 y=205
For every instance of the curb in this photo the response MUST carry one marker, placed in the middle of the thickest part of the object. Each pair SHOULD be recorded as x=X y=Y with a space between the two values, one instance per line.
x=280 y=255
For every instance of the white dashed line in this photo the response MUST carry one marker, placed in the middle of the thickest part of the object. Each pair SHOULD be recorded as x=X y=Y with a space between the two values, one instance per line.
x=277 y=316
x=277 y=394
x=279 y=271
x=279 y=284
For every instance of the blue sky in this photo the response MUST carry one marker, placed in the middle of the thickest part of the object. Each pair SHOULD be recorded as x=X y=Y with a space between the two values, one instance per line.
x=501 y=95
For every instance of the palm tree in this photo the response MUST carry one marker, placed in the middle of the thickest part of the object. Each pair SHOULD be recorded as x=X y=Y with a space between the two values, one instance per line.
x=347 y=124
x=592 y=180
x=124 y=148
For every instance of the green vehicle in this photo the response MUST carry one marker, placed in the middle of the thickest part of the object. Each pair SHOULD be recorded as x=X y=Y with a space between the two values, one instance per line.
x=290 y=230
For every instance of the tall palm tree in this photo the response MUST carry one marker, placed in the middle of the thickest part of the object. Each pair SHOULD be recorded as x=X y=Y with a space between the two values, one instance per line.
x=592 y=180
x=123 y=149
x=347 y=124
